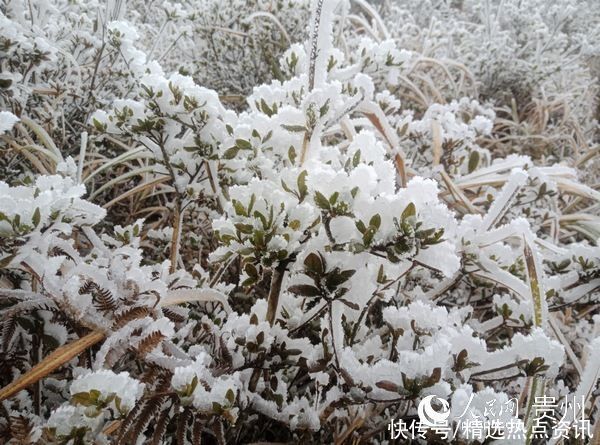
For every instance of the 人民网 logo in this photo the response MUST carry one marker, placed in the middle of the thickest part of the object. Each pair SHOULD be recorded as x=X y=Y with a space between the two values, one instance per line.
x=431 y=417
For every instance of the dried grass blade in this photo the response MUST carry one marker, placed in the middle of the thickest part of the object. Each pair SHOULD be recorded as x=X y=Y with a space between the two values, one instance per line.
x=52 y=362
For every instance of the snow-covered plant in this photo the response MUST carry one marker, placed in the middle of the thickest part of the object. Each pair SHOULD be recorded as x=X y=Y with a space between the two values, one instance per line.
x=537 y=62
x=289 y=221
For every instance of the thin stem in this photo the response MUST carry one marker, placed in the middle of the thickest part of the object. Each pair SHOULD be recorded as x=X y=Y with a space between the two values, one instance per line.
x=314 y=49
x=373 y=297
x=221 y=270
x=318 y=313
x=176 y=237
x=335 y=355
x=500 y=368
x=274 y=291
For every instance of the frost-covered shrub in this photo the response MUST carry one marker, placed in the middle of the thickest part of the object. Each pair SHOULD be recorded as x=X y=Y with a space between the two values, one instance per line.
x=537 y=61
x=306 y=264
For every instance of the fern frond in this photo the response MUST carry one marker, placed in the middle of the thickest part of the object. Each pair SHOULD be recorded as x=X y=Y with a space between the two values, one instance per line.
x=21 y=428
x=161 y=427
x=9 y=326
x=87 y=287
x=129 y=315
x=149 y=342
x=104 y=300
x=173 y=316
x=197 y=431
x=150 y=409
x=182 y=422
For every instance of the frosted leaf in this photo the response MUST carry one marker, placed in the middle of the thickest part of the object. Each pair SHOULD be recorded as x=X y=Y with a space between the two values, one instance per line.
x=588 y=382
x=505 y=198
x=67 y=418
x=441 y=257
x=537 y=344
x=7 y=121
x=128 y=389
x=50 y=199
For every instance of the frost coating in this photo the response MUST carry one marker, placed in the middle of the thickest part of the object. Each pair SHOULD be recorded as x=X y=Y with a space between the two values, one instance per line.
x=7 y=121
x=294 y=229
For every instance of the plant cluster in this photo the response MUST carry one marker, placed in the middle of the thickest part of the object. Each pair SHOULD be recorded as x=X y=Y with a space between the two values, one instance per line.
x=291 y=221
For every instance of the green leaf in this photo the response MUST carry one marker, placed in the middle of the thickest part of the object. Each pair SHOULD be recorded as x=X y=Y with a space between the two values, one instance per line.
x=193 y=385
x=321 y=201
x=409 y=211
x=324 y=109
x=473 y=161
x=266 y=109
x=338 y=277
x=286 y=188
x=251 y=271
x=89 y=398
x=356 y=159
x=334 y=197
x=295 y=128
x=268 y=136
x=99 y=125
x=36 y=217
x=404 y=129
x=314 y=263
x=262 y=218
x=304 y=290
x=4 y=262
x=350 y=304
x=368 y=235
x=259 y=239
x=239 y=208
x=118 y=402
x=375 y=221
x=243 y=144
x=302 y=187
x=252 y=202
x=314 y=224
x=292 y=154
x=244 y=228
x=361 y=226
x=231 y=153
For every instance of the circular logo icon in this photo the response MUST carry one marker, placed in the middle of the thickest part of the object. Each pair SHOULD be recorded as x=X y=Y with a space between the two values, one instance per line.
x=429 y=416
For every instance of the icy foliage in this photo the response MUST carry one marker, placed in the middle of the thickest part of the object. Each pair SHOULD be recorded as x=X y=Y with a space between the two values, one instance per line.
x=290 y=221
x=7 y=121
